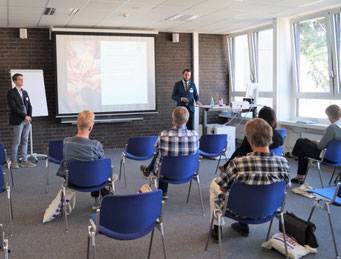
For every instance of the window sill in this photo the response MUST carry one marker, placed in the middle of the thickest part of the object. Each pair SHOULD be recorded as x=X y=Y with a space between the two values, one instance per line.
x=294 y=124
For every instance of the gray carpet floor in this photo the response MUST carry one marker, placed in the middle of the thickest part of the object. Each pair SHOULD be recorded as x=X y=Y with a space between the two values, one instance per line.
x=185 y=228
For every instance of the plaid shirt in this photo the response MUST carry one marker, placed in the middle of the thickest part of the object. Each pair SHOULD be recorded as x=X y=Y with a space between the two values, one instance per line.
x=178 y=141
x=255 y=168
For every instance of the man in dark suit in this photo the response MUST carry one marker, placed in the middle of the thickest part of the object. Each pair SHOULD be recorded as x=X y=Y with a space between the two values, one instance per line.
x=20 y=118
x=185 y=94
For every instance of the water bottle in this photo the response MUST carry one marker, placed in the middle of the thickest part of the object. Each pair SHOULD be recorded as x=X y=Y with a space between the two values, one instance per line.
x=212 y=102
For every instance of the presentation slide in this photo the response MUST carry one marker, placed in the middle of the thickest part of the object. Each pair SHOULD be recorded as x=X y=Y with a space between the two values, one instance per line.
x=105 y=74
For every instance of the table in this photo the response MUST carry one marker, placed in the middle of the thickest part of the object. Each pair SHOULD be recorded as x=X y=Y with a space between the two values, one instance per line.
x=207 y=108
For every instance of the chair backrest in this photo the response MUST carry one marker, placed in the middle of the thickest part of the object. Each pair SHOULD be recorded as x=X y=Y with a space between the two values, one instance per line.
x=2 y=180
x=89 y=173
x=214 y=143
x=283 y=133
x=141 y=146
x=3 y=158
x=256 y=201
x=56 y=149
x=333 y=151
x=130 y=213
x=278 y=151
x=179 y=167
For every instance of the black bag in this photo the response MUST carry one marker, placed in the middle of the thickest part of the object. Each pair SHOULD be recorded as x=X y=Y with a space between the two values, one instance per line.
x=299 y=229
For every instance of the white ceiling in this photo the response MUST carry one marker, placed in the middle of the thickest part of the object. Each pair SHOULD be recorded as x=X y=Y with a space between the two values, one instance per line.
x=215 y=16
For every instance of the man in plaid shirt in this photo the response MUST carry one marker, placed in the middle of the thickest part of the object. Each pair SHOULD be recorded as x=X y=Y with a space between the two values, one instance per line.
x=256 y=168
x=178 y=141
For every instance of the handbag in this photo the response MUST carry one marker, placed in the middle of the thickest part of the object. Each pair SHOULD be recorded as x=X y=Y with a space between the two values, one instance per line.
x=299 y=229
x=55 y=207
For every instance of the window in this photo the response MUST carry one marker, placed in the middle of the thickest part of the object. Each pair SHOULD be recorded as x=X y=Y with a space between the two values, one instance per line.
x=252 y=61
x=265 y=60
x=317 y=62
x=242 y=63
x=312 y=56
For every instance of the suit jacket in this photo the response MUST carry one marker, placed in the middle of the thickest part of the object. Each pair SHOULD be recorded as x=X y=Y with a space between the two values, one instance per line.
x=15 y=103
x=191 y=94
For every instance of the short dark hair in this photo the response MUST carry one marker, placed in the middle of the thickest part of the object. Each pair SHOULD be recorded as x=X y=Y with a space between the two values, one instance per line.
x=15 y=76
x=186 y=70
x=269 y=115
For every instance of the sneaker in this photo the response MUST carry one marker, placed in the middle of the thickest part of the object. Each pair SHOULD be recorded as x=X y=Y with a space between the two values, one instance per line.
x=215 y=233
x=97 y=204
x=242 y=229
x=164 y=196
x=14 y=164
x=144 y=171
x=27 y=164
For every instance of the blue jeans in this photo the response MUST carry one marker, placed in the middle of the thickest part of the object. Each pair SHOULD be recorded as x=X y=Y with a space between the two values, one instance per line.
x=20 y=133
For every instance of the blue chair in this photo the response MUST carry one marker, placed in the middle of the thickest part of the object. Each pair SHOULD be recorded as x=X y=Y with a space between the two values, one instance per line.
x=179 y=170
x=87 y=176
x=138 y=148
x=127 y=217
x=330 y=156
x=4 y=186
x=324 y=198
x=279 y=150
x=213 y=145
x=5 y=161
x=54 y=155
x=3 y=242
x=256 y=204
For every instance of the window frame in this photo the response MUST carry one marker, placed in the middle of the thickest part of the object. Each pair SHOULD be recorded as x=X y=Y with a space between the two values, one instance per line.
x=333 y=65
x=252 y=58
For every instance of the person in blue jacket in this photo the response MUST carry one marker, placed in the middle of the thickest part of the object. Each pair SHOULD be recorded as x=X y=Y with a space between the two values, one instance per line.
x=186 y=94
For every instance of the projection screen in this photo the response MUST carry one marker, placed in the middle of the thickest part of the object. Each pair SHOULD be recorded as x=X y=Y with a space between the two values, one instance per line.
x=105 y=74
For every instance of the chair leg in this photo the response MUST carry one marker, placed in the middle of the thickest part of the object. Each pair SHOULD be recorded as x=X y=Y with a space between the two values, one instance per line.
x=311 y=213
x=119 y=178
x=319 y=170
x=332 y=230
x=209 y=232
x=64 y=208
x=331 y=178
x=47 y=175
x=88 y=247
x=216 y=170
x=10 y=173
x=163 y=239
x=150 y=244
x=6 y=248
x=219 y=236
x=200 y=195
x=284 y=236
x=267 y=235
x=93 y=241
x=189 y=191
x=10 y=210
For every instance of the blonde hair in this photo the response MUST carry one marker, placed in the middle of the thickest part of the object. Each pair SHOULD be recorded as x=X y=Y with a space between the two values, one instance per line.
x=333 y=111
x=259 y=132
x=85 y=119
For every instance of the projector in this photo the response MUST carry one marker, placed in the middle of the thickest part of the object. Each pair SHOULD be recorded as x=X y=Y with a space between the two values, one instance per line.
x=240 y=105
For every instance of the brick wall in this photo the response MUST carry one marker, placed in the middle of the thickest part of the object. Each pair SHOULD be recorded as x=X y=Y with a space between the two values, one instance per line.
x=37 y=52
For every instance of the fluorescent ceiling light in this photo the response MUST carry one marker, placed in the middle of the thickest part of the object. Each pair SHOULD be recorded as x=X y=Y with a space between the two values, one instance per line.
x=73 y=11
x=49 y=11
x=172 y=18
x=316 y=2
x=192 y=18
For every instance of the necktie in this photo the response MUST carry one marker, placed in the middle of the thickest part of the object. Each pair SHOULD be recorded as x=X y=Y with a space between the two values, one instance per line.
x=186 y=86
